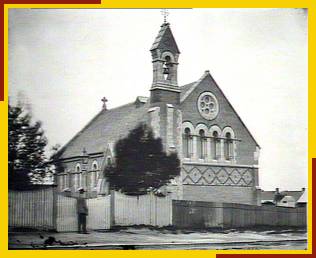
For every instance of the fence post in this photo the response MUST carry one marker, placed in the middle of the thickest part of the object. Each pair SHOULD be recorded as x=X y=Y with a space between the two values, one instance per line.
x=112 y=208
x=55 y=212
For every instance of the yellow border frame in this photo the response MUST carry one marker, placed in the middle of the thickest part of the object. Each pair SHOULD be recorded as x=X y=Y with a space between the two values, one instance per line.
x=310 y=4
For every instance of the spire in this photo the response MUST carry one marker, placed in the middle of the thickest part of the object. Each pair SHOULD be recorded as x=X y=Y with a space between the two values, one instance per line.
x=165 y=40
x=165 y=55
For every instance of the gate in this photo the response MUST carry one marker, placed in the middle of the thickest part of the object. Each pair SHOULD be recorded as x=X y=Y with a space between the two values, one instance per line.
x=142 y=210
x=98 y=218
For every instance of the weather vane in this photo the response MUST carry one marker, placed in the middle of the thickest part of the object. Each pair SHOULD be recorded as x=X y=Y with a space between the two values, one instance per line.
x=165 y=13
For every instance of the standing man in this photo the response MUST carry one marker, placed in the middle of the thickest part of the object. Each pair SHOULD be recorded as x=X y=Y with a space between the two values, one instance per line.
x=82 y=210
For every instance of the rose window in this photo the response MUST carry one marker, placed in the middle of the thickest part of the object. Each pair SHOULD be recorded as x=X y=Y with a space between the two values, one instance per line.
x=208 y=105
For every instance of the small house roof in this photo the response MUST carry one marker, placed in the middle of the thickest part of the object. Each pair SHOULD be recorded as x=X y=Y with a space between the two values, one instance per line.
x=303 y=198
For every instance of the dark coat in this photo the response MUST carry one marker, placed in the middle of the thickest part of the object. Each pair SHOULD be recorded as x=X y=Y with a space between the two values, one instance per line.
x=82 y=207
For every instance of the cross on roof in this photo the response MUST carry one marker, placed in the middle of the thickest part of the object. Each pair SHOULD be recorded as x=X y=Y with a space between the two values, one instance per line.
x=104 y=100
x=165 y=13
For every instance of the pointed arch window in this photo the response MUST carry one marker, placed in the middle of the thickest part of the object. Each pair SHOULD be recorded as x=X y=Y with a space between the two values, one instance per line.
x=187 y=143
x=202 y=144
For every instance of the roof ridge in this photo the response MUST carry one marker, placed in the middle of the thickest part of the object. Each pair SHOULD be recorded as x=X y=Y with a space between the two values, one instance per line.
x=60 y=152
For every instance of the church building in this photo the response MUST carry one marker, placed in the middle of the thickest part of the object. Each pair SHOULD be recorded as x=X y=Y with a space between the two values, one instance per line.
x=218 y=154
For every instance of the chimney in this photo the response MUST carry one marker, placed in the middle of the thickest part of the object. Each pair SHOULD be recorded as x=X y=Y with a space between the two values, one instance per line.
x=303 y=189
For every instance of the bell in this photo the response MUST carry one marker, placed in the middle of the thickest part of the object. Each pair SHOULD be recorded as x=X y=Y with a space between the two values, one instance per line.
x=165 y=70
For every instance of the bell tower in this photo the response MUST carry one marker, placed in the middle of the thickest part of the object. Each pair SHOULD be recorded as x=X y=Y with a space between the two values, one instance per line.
x=165 y=54
x=164 y=114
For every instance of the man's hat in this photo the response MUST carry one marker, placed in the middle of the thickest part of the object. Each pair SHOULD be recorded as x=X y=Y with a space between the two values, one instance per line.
x=81 y=190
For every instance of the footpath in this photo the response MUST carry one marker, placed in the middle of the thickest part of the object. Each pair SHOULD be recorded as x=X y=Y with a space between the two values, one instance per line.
x=128 y=238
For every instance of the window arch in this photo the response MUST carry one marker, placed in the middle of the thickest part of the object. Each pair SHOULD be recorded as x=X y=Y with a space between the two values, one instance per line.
x=94 y=166
x=228 y=146
x=187 y=143
x=215 y=134
x=229 y=143
x=109 y=161
x=215 y=145
x=94 y=173
x=201 y=132
x=202 y=144
x=78 y=168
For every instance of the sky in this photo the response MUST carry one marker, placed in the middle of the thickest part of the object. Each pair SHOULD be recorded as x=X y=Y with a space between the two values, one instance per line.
x=64 y=61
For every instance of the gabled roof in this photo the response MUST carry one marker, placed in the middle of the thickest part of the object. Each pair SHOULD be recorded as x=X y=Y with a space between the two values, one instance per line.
x=105 y=128
x=295 y=194
x=303 y=198
x=269 y=195
x=187 y=89
x=165 y=40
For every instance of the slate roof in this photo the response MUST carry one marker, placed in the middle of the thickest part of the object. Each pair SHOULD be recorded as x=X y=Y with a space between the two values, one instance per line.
x=165 y=40
x=105 y=128
x=108 y=126
x=185 y=88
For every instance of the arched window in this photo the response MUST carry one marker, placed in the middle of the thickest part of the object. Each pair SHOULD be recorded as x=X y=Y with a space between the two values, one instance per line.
x=78 y=167
x=202 y=144
x=187 y=143
x=109 y=161
x=95 y=165
x=77 y=176
x=228 y=146
x=94 y=173
x=215 y=145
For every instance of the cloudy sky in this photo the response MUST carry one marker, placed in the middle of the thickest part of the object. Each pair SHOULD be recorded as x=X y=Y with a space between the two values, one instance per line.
x=65 y=61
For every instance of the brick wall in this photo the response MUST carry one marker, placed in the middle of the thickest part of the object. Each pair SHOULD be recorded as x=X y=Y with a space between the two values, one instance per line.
x=87 y=171
x=226 y=117
x=164 y=96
